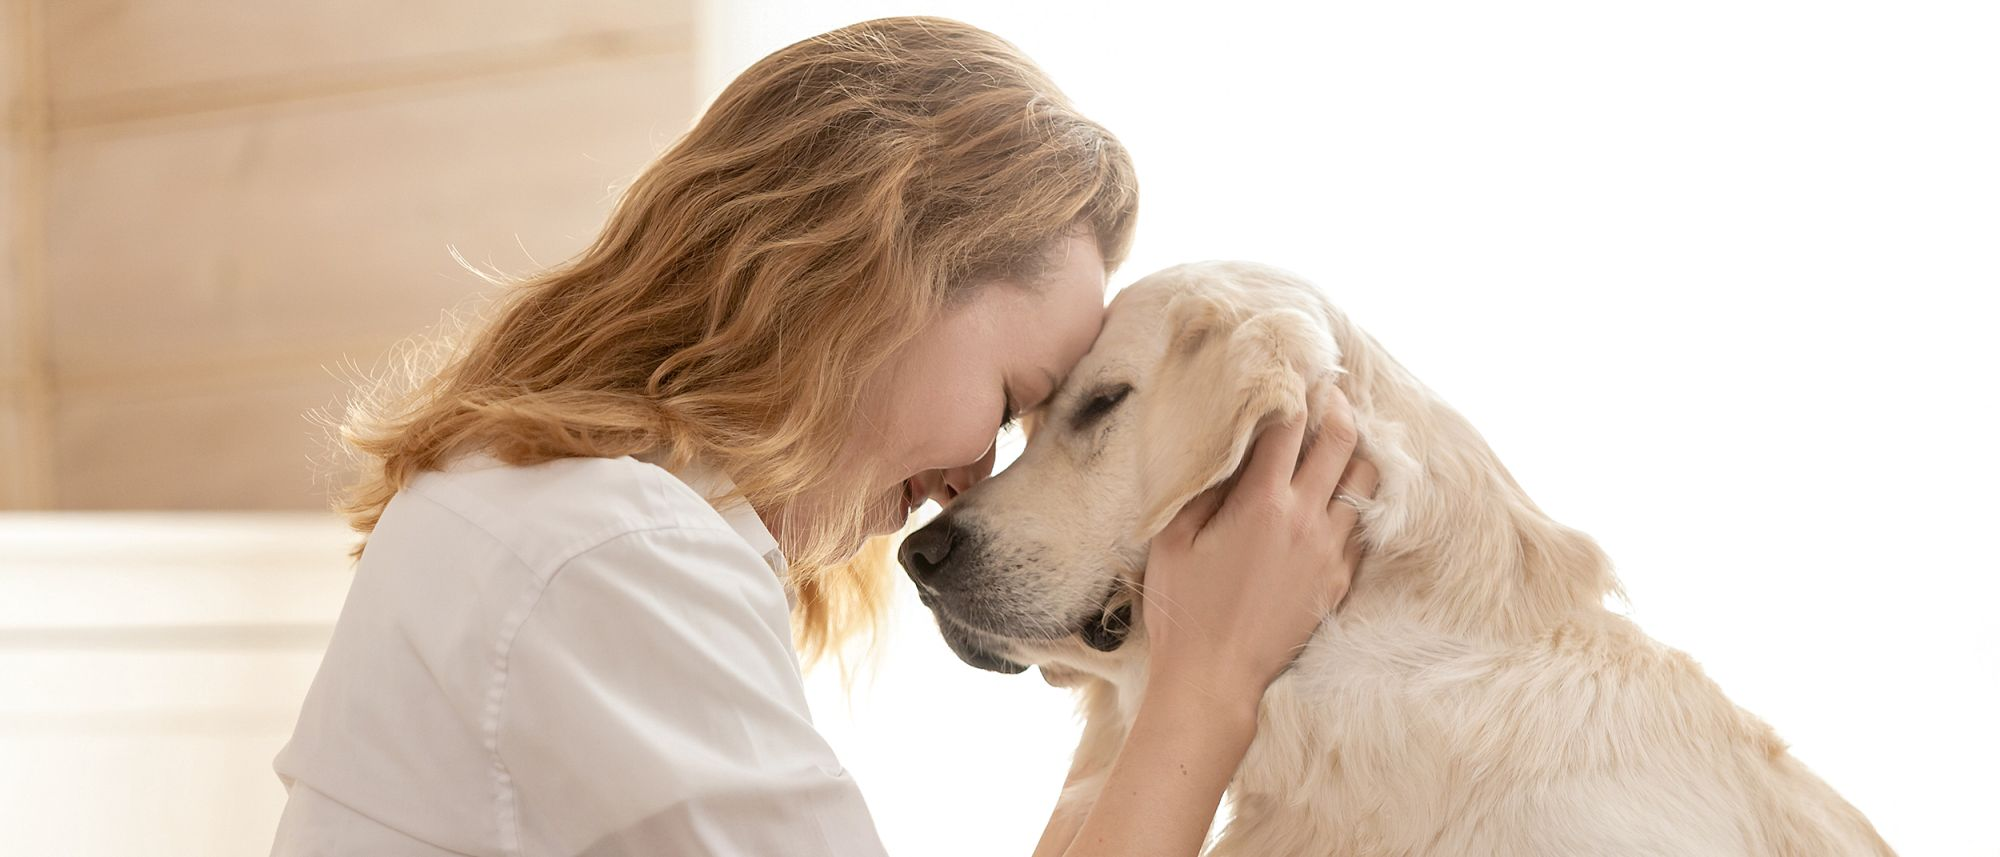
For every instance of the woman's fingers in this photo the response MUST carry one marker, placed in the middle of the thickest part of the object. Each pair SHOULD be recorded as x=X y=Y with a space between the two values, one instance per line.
x=1344 y=514
x=1358 y=484
x=1333 y=446
x=1193 y=516
x=1275 y=455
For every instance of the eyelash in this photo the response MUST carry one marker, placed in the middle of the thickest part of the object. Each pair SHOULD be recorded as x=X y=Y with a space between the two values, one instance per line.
x=1100 y=405
x=1007 y=416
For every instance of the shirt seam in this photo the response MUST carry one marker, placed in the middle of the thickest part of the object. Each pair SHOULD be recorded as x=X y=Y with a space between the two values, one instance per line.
x=507 y=800
x=507 y=809
x=557 y=558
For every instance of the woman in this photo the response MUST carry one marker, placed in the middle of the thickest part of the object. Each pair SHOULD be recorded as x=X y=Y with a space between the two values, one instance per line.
x=568 y=632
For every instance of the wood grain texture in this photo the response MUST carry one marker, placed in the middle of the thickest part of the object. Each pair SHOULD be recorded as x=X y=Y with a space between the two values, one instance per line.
x=27 y=478
x=211 y=281
x=334 y=223
x=255 y=446
x=105 y=52
x=239 y=207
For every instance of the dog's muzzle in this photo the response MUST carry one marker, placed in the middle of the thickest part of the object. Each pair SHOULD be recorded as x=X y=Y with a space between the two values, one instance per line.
x=941 y=558
x=962 y=645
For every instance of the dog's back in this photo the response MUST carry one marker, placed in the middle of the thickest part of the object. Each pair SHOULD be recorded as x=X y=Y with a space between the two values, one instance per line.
x=1391 y=739
x=1471 y=696
x=1475 y=697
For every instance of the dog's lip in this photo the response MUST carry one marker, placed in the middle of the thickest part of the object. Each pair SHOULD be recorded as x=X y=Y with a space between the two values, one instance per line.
x=1104 y=628
x=940 y=606
x=1103 y=620
x=960 y=639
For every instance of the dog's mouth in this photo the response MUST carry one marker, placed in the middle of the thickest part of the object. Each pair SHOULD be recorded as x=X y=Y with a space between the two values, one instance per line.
x=962 y=644
x=1104 y=630
x=1107 y=631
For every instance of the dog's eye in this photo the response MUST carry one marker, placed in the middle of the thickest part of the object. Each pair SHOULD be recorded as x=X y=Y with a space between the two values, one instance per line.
x=1103 y=403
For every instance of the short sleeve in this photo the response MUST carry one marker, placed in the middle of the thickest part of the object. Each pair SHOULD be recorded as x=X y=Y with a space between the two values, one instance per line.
x=652 y=705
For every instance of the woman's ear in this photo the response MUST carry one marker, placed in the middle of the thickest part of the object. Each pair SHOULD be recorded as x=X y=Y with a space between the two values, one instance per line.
x=1226 y=374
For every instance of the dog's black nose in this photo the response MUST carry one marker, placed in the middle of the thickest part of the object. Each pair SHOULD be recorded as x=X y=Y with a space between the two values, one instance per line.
x=925 y=552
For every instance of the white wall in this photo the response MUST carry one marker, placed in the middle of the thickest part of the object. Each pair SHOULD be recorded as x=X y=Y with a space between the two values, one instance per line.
x=151 y=665
x=1716 y=279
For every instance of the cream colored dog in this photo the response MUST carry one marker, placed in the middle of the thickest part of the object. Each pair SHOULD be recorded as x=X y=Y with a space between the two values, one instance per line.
x=1472 y=696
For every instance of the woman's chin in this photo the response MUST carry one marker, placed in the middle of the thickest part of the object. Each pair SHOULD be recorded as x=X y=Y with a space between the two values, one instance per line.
x=892 y=514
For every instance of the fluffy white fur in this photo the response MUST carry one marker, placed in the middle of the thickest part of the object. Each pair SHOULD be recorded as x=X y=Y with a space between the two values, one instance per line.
x=1472 y=696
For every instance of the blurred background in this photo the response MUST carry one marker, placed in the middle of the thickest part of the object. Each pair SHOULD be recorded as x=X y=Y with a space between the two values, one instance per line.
x=1717 y=279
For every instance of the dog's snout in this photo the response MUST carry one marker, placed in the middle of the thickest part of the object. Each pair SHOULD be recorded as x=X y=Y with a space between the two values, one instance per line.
x=926 y=552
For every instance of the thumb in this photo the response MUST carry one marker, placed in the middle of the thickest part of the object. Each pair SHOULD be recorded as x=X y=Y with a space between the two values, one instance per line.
x=1195 y=515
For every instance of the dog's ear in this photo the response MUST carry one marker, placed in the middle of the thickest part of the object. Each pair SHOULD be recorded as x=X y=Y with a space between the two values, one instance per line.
x=1227 y=373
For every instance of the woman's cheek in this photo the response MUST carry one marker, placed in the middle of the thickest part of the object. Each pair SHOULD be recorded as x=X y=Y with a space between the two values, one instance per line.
x=981 y=431
x=957 y=443
x=928 y=431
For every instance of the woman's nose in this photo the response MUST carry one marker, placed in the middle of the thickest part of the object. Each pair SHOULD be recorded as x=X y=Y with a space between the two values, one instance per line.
x=959 y=480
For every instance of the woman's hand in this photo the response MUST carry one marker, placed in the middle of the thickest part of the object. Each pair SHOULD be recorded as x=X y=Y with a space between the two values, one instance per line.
x=1235 y=586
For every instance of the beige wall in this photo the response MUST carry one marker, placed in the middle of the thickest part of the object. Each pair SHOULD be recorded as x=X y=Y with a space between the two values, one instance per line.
x=24 y=479
x=227 y=205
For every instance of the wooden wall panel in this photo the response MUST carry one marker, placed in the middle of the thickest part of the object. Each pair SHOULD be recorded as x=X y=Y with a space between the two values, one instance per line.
x=25 y=475
x=231 y=226
x=273 y=230
x=12 y=440
x=10 y=277
x=240 y=444
x=110 y=54
x=13 y=21
x=14 y=436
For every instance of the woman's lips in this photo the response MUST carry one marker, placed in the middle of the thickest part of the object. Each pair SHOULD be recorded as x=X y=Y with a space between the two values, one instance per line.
x=900 y=507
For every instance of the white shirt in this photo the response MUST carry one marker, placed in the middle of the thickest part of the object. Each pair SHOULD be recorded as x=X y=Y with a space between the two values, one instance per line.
x=583 y=657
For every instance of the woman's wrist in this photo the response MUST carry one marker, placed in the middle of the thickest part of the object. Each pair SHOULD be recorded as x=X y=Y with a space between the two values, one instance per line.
x=1225 y=714
x=1212 y=683
x=1161 y=795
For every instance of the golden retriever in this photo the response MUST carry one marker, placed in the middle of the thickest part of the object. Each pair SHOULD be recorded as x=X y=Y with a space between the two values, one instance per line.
x=1472 y=695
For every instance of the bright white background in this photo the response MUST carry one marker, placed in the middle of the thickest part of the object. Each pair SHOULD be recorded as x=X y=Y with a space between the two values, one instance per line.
x=1717 y=279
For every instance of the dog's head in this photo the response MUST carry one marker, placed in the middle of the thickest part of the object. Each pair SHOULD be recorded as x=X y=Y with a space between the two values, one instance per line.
x=1037 y=564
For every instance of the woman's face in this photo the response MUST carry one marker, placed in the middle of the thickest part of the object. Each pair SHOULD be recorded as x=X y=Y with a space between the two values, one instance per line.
x=931 y=415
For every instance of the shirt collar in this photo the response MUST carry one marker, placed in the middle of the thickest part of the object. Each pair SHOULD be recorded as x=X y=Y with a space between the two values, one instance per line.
x=715 y=487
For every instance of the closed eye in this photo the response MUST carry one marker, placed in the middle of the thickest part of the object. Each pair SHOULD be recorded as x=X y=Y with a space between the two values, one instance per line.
x=1008 y=416
x=1099 y=405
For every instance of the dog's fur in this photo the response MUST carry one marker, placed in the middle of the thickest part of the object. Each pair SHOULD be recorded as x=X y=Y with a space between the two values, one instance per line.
x=1472 y=696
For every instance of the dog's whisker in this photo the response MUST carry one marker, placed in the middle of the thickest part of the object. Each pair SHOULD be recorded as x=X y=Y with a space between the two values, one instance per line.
x=1167 y=606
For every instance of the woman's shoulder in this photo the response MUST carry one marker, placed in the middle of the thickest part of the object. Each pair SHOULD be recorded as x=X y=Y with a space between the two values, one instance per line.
x=545 y=512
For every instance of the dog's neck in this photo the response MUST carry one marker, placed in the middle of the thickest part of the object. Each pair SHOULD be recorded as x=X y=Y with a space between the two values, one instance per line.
x=1455 y=542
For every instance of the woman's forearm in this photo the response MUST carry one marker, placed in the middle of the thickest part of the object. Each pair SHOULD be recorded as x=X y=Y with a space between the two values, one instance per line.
x=1167 y=781
x=1061 y=830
